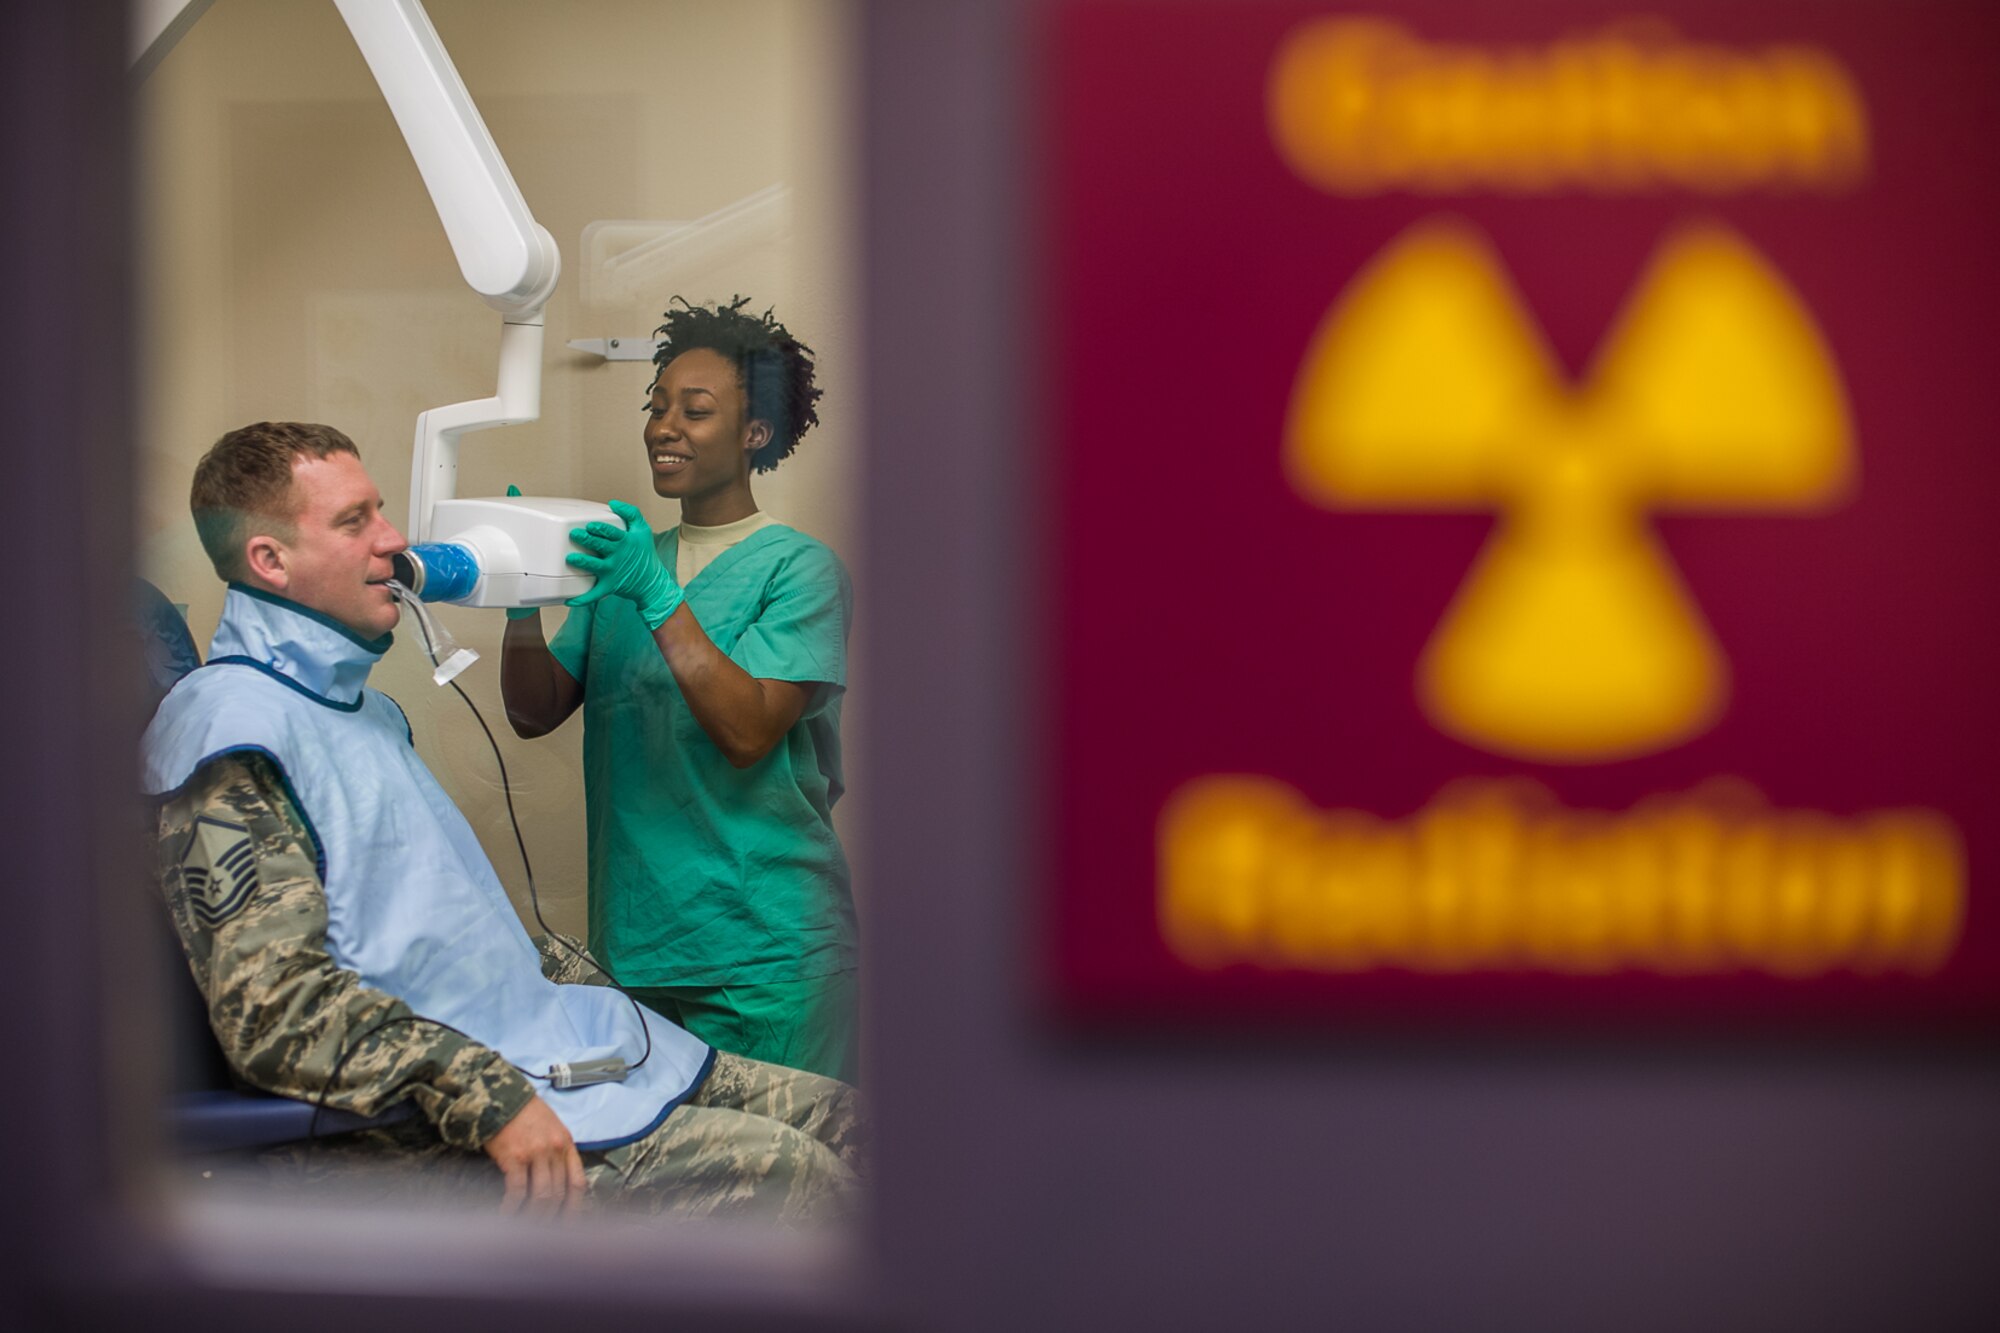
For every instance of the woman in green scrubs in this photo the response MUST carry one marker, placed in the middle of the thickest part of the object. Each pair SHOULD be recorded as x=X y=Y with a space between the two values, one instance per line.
x=709 y=661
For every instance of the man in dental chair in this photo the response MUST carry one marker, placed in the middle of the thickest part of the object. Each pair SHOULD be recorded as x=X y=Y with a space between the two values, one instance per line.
x=351 y=939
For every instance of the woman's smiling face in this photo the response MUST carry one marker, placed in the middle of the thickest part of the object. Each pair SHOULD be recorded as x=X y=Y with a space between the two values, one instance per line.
x=698 y=439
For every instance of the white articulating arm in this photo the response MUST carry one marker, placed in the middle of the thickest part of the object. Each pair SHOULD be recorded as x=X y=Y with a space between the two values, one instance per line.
x=503 y=253
x=434 y=468
x=156 y=27
x=506 y=256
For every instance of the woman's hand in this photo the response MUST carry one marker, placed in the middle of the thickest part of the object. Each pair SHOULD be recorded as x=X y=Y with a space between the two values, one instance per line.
x=626 y=565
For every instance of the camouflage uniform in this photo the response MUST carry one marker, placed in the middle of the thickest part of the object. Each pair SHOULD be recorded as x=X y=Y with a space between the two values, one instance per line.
x=237 y=865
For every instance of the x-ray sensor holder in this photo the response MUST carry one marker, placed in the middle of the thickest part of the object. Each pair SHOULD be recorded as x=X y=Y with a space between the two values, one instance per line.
x=443 y=650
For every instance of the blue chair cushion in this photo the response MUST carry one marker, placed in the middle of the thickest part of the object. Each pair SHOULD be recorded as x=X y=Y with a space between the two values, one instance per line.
x=228 y=1121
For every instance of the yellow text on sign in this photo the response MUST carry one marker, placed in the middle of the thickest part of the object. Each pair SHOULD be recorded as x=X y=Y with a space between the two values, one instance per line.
x=1360 y=106
x=1428 y=387
x=1494 y=876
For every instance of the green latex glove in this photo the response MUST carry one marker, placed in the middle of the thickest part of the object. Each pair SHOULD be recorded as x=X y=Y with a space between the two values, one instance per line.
x=626 y=565
x=519 y=612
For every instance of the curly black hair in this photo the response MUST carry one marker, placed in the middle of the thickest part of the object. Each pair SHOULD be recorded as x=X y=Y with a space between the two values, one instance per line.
x=774 y=368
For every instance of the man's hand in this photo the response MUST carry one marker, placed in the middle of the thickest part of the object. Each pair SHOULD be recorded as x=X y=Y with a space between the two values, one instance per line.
x=544 y=1173
x=625 y=563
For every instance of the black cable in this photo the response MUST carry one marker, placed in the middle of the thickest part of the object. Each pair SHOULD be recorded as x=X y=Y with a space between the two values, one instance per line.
x=534 y=898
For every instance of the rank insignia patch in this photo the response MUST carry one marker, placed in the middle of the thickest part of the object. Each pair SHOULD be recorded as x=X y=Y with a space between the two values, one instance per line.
x=219 y=869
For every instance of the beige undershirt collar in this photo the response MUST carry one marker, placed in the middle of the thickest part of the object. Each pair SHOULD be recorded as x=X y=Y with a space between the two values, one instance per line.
x=700 y=546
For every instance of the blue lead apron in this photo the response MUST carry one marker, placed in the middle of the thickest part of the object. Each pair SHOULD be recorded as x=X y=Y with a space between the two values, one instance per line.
x=413 y=905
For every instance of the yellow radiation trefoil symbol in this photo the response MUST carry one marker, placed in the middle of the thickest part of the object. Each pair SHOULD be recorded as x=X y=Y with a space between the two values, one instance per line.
x=1428 y=387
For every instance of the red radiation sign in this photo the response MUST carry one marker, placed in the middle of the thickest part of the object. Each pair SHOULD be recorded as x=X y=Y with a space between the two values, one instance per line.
x=1519 y=533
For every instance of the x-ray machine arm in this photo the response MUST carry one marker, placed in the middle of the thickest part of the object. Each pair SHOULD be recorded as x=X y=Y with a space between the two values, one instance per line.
x=505 y=255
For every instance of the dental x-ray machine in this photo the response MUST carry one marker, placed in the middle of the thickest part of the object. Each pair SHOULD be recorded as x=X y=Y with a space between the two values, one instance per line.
x=496 y=551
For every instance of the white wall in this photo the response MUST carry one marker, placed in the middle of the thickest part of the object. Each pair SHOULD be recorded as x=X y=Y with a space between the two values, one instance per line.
x=294 y=269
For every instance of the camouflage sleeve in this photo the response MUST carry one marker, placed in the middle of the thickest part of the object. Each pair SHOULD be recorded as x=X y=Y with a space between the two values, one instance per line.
x=237 y=866
x=567 y=963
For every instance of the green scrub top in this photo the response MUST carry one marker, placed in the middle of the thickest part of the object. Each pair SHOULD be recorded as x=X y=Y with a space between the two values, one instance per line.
x=702 y=874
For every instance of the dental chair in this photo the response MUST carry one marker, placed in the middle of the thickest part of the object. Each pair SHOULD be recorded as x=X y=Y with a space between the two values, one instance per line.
x=209 y=1110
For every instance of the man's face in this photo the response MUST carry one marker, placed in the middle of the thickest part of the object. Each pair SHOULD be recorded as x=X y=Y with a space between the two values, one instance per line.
x=696 y=435
x=338 y=562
